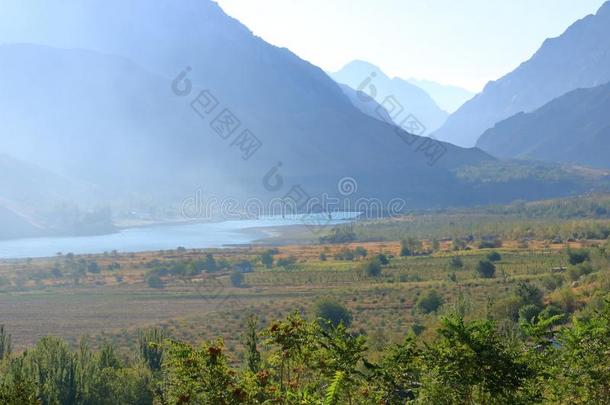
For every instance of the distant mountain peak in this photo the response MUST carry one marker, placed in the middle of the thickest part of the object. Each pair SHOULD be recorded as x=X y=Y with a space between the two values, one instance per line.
x=404 y=98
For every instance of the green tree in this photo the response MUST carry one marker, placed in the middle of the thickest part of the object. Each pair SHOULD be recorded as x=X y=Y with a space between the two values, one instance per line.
x=430 y=301
x=267 y=259
x=457 y=366
x=371 y=268
x=330 y=311
x=237 y=279
x=486 y=269
x=150 y=343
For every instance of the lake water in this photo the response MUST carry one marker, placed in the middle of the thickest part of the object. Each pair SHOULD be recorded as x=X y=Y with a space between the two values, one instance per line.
x=163 y=237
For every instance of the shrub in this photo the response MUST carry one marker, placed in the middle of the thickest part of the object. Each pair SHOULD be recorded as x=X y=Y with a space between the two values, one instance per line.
x=267 y=259
x=456 y=263
x=552 y=282
x=210 y=265
x=93 y=267
x=494 y=256
x=529 y=294
x=237 y=279
x=490 y=244
x=333 y=312
x=287 y=261
x=430 y=301
x=372 y=268
x=360 y=252
x=577 y=256
x=154 y=281
x=342 y=234
x=528 y=313
x=383 y=259
x=486 y=269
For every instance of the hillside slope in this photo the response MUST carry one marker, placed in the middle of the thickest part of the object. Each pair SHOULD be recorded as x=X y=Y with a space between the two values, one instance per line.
x=574 y=128
x=578 y=58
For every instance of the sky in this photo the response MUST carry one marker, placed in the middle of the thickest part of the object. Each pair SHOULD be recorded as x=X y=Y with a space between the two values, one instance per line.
x=465 y=43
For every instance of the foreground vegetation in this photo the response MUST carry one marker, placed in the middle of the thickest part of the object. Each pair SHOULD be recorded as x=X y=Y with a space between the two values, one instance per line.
x=321 y=362
x=456 y=307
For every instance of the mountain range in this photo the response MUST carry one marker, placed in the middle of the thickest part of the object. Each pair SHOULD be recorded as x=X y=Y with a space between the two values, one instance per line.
x=573 y=128
x=148 y=110
x=579 y=58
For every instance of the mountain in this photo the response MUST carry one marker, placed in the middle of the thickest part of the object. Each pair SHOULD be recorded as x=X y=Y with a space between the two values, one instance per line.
x=449 y=98
x=107 y=113
x=574 y=128
x=120 y=106
x=372 y=83
x=578 y=58
x=366 y=104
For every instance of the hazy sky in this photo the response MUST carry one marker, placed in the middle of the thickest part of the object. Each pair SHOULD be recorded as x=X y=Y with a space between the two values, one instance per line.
x=465 y=42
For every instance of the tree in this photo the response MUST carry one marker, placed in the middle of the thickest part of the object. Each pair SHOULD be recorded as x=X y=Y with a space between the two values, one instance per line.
x=359 y=251
x=267 y=259
x=456 y=364
x=456 y=263
x=486 y=269
x=237 y=279
x=528 y=313
x=577 y=256
x=253 y=356
x=383 y=259
x=93 y=267
x=150 y=343
x=404 y=248
x=430 y=301
x=5 y=344
x=372 y=268
x=330 y=311
x=494 y=256
x=209 y=264
x=154 y=281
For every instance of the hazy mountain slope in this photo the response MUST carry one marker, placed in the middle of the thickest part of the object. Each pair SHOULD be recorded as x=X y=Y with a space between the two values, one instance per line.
x=366 y=104
x=448 y=98
x=302 y=117
x=579 y=58
x=108 y=114
x=574 y=128
x=369 y=79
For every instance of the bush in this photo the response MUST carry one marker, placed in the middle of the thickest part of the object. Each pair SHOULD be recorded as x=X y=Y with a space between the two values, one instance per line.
x=93 y=267
x=456 y=263
x=549 y=312
x=333 y=312
x=154 y=281
x=552 y=282
x=287 y=262
x=494 y=257
x=360 y=252
x=372 y=268
x=210 y=265
x=528 y=313
x=237 y=279
x=342 y=234
x=429 y=302
x=486 y=269
x=577 y=256
x=490 y=244
x=383 y=259
x=267 y=259
x=345 y=254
